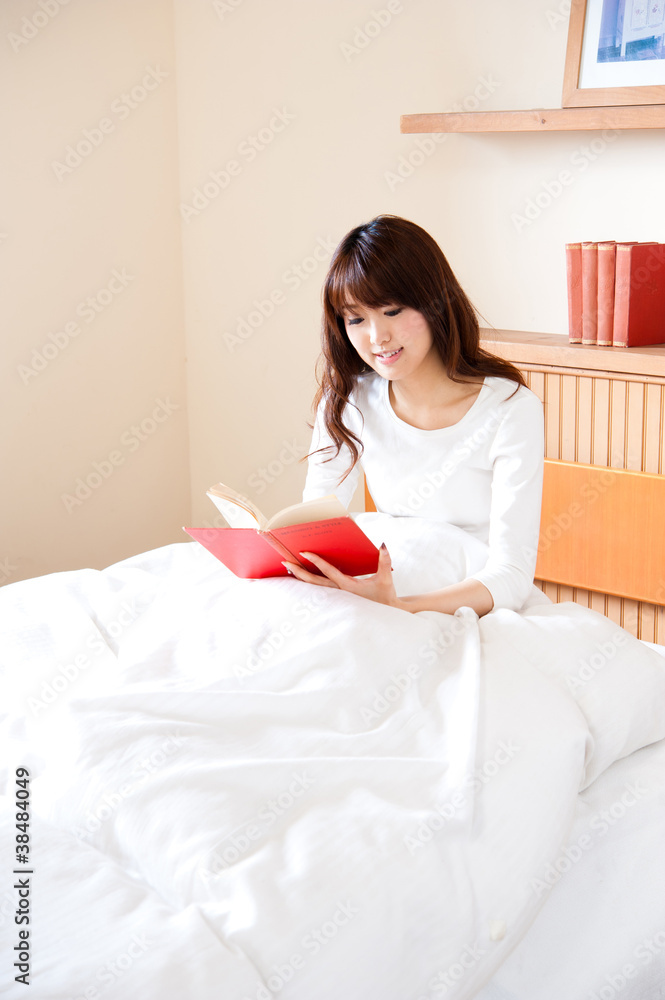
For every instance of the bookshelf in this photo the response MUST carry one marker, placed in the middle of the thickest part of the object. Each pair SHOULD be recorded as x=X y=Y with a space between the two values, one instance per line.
x=604 y=409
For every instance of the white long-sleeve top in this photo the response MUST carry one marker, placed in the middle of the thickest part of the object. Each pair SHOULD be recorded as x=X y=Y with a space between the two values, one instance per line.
x=483 y=474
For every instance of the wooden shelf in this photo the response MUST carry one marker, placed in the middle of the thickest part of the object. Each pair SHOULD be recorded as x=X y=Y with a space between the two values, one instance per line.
x=552 y=350
x=539 y=120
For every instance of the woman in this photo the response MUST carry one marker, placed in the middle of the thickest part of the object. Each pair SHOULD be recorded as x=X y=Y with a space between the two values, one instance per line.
x=445 y=430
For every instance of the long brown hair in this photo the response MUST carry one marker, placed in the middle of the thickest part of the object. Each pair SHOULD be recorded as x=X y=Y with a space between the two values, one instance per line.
x=391 y=261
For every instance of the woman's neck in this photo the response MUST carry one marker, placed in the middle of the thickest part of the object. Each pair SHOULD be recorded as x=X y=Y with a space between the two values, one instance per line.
x=428 y=386
x=429 y=398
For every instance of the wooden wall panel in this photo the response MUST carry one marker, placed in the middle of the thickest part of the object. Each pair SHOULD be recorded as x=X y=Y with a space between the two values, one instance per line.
x=584 y=420
x=661 y=434
x=617 y=423
x=633 y=452
x=652 y=421
x=536 y=382
x=568 y=422
x=601 y=421
x=597 y=602
x=607 y=419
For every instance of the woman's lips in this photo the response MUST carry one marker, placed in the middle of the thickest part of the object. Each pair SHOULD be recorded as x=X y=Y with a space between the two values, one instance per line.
x=391 y=359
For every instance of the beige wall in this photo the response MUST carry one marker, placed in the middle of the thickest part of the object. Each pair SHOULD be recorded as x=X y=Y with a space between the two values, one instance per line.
x=102 y=222
x=287 y=136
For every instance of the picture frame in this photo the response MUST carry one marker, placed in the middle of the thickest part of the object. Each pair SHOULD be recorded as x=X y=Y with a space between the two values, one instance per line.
x=615 y=54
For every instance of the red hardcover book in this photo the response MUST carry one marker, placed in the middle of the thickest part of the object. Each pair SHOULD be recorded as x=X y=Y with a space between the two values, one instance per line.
x=639 y=297
x=589 y=293
x=606 y=267
x=574 y=280
x=254 y=547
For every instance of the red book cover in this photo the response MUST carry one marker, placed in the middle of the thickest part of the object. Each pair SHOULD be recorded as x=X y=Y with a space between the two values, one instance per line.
x=639 y=301
x=606 y=267
x=589 y=293
x=574 y=280
x=242 y=550
x=254 y=554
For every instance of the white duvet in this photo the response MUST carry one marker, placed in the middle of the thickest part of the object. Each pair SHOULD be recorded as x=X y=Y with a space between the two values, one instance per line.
x=256 y=789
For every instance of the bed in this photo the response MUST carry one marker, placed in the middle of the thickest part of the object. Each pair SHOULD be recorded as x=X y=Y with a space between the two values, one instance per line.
x=602 y=932
x=261 y=789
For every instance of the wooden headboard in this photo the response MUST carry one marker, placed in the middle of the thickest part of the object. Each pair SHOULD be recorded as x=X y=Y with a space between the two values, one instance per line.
x=602 y=532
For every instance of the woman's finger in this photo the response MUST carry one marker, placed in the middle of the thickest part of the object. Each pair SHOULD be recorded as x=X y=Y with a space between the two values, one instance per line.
x=306 y=576
x=384 y=568
x=339 y=579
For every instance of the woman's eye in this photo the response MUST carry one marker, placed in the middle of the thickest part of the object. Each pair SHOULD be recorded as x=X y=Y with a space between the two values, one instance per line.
x=354 y=321
x=394 y=312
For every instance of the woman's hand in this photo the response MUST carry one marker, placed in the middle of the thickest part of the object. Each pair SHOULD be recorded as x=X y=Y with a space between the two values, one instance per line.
x=378 y=587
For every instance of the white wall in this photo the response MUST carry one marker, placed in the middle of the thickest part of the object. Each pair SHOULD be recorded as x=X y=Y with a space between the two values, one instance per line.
x=330 y=159
x=69 y=402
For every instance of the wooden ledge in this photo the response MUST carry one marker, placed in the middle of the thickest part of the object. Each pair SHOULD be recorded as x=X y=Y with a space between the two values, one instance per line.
x=539 y=120
x=553 y=350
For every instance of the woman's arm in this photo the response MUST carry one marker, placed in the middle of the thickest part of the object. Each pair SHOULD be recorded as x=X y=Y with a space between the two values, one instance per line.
x=517 y=456
x=323 y=477
x=380 y=587
x=514 y=522
x=468 y=594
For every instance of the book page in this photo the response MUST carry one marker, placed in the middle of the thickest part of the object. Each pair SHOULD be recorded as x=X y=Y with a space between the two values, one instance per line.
x=311 y=510
x=237 y=509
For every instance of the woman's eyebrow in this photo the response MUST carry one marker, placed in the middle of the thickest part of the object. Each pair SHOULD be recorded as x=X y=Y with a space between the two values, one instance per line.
x=352 y=307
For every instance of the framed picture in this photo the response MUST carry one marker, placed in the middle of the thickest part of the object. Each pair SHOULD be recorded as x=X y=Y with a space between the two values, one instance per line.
x=615 y=54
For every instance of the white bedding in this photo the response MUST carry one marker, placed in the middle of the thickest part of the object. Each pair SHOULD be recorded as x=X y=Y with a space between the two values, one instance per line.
x=603 y=926
x=260 y=788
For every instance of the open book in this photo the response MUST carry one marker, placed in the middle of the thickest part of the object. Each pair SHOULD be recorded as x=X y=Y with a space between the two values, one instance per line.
x=254 y=547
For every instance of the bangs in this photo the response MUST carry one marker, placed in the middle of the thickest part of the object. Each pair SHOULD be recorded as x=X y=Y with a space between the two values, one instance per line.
x=354 y=281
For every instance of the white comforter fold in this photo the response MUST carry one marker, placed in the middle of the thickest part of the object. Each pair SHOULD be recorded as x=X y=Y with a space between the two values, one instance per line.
x=258 y=789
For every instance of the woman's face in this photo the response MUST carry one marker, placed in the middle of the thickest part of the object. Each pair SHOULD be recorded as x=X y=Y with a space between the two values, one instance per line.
x=394 y=340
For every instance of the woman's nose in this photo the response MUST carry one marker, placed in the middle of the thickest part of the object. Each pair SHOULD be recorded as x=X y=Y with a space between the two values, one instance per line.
x=378 y=333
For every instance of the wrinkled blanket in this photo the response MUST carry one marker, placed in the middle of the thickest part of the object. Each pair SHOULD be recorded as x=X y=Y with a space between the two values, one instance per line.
x=256 y=789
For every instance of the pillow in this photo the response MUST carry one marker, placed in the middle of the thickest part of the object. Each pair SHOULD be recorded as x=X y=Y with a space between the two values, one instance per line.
x=617 y=681
x=426 y=554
